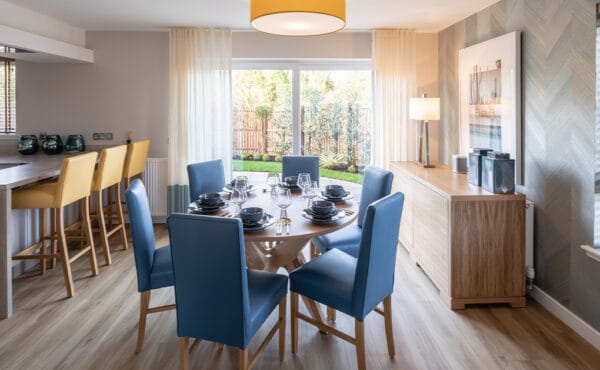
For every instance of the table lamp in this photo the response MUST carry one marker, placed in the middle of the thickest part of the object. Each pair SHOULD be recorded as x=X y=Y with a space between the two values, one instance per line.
x=423 y=110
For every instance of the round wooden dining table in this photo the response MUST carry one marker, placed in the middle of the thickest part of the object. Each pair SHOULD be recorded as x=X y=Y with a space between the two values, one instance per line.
x=268 y=251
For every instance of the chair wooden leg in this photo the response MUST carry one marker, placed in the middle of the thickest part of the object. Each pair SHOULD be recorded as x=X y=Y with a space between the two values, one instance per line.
x=313 y=251
x=64 y=252
x=389 y=333
x=43 y=233
x=120 y=216
x=144 y=303
x=359 y=330
x=243 y=354
x=331 y=314
x=184 y=353
x=87 y=226
x=110 y=207
x=282 y=305
x=294 y=321
x=102 y=227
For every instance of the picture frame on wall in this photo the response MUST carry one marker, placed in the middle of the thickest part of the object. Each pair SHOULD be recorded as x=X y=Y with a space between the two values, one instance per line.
x=490 y=97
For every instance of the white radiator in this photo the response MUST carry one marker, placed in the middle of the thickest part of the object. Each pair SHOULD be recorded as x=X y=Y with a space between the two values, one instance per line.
x=155 y=180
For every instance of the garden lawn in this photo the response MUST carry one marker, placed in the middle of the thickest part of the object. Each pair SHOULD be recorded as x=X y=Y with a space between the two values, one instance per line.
x=258 y=166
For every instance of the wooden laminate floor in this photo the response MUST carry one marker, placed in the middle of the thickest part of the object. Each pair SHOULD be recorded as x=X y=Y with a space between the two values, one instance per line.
x=96 y=329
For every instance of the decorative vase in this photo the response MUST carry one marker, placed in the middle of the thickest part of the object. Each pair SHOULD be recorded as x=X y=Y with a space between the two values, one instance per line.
x=28 y=144
x=498 y=173
x=475 y=161
x=52 y=144
x=75 y=143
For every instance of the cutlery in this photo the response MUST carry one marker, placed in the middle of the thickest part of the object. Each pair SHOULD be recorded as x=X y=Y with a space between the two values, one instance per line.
x=279 y=227
x=349 y=213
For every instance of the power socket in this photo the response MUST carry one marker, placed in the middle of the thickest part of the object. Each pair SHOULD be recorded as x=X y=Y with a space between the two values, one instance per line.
x=102 y=136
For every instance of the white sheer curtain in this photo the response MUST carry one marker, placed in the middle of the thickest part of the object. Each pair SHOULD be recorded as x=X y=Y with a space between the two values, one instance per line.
x=200 y=108
x=394 y=83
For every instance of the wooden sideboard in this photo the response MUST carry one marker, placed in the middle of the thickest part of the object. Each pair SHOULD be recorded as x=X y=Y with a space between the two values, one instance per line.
x=469 y=242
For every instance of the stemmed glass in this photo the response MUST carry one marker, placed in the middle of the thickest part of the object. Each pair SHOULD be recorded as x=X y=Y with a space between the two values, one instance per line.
x=303 y=180
x=283 y=199
x=238 y=194
x=310 y=192
x=273 y=181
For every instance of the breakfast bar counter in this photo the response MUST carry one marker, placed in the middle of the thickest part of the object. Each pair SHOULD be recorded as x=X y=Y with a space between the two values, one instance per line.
x=16 y=171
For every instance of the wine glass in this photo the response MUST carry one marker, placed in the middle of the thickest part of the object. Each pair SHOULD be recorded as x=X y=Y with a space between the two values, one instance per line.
x=310 y=192
x=303 y=180
x=241 y=181
x=238 y=195
x=273 y=181
x=283 y=199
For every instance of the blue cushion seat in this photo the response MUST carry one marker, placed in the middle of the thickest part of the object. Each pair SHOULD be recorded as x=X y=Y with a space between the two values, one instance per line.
x=377 y=184
x=162 y=269
x=328 y=279
x=266 y=291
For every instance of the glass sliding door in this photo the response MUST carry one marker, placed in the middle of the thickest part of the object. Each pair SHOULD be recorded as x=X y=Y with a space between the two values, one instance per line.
x=302 y=109
x=262 y=119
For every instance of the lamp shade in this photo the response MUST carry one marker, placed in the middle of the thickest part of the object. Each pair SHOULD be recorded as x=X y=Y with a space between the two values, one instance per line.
x=298 y=17
x=426 y=109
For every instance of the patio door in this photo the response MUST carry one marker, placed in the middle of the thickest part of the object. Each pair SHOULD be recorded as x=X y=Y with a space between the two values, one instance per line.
x=319 y=108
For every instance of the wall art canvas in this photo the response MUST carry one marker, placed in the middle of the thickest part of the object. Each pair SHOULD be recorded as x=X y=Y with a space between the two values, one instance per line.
x=490 y=97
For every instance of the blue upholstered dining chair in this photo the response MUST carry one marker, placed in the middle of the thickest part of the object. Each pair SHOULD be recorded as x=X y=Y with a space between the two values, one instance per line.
x=218 y=299
x=153 y=265
x=205 y=177
x=292 y=165
x=377 y=184
x=352 y=285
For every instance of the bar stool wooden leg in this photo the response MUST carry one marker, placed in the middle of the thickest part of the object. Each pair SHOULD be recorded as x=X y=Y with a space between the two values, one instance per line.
x=43 y=234
x=87 y=226
x=120 y=216
x=109 y=197
x=64 y=252
x=54 y=237
x=102 y=227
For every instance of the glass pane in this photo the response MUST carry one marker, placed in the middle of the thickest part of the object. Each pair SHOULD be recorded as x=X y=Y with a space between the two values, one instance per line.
x=262 y=119
x=335 y=119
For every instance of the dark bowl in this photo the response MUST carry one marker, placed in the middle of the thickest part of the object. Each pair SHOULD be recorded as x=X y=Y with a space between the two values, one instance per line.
x=334 y=190
x=291 y=180
x=252 y=215
x=209 y=199
x=322 y=207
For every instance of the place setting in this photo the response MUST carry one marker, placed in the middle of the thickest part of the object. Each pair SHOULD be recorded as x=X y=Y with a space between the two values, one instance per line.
x=239 y=181
x=335 y=193
x=209 y=203
x=324 y=212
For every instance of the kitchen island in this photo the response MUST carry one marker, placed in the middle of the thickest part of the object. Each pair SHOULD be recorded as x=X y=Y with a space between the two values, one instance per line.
x=17 y=171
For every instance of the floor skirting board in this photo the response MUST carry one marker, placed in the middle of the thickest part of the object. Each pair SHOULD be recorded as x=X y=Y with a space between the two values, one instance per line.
x=567 y=316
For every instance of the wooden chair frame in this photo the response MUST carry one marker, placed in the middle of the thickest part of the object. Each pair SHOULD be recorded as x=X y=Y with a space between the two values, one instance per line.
x=244 y=364
x=104 y=216
x=144 y=311
x=359 y=332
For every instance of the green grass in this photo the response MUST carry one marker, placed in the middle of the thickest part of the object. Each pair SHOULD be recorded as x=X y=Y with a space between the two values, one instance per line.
x=257 y=166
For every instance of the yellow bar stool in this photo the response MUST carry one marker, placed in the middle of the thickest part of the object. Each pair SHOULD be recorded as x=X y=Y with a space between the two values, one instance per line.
x=73 y=185
x=135 y=161
x=108 y=176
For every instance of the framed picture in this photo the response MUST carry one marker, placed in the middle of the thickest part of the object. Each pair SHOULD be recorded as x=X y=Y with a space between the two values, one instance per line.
x=490 y=97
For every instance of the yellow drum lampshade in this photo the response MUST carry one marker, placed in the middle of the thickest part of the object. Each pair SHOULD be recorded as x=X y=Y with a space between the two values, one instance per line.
x=298 y=17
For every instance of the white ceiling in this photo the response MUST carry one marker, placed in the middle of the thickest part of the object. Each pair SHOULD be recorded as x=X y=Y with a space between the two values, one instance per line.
x=423 y=15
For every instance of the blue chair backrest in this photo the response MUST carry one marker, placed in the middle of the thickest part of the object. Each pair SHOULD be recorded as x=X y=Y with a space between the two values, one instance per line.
x=377 y=257
x=376 y=185
x=211 y=285
x=205 y=177
x=294 y=164
x=142 y=232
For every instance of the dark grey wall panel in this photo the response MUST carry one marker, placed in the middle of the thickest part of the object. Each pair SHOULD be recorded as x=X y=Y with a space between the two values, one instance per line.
x=558 y=80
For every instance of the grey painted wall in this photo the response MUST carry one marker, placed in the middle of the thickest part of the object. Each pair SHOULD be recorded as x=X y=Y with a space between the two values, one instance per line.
x=125 y=89
x=558 y=75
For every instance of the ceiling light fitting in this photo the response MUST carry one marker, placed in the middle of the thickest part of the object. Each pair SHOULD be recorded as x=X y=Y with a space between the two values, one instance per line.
x=297 y=17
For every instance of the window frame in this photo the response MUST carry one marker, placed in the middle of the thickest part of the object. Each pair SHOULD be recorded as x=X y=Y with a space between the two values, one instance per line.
x=4 y=135
x=297 y=66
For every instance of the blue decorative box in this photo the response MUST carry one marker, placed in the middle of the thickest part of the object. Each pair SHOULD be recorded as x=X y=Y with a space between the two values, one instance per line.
x=498 y=173
x=475 y=165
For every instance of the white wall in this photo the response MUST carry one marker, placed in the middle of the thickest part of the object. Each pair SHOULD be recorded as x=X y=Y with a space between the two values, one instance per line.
x=338 y=45
x=125 y=89
x=27 y=20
